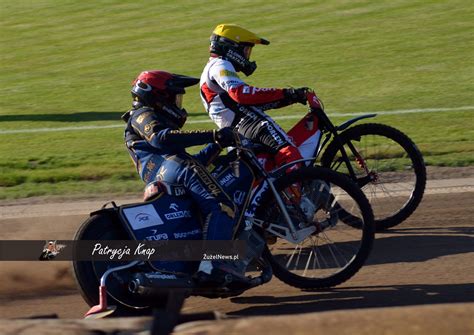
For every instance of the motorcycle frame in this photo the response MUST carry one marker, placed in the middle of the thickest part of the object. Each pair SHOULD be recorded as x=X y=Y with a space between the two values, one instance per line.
x=293 y=234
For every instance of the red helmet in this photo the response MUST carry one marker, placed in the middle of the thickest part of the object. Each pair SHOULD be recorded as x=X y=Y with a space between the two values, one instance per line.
x=164 y=90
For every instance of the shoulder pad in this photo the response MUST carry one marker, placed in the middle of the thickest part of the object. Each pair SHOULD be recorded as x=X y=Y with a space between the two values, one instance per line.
x=126 y=116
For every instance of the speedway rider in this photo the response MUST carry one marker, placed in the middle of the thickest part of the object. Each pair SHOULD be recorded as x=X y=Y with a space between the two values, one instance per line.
x=231 y=102
x=157 y=147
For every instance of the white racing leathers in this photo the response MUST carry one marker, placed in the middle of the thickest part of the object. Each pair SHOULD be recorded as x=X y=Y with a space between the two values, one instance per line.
x=230 y=102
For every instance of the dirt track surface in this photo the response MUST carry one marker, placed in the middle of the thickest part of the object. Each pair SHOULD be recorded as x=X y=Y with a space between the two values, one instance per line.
x=419 y=279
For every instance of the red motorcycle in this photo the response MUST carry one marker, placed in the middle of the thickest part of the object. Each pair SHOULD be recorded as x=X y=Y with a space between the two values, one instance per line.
x=381 y=160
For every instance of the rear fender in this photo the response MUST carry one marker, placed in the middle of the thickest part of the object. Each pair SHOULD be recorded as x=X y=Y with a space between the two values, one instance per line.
x=114 y=214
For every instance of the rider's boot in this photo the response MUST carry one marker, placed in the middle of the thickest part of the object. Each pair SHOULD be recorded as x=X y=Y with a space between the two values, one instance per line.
x=270 y=239
x=284 y=156
x=219 y=225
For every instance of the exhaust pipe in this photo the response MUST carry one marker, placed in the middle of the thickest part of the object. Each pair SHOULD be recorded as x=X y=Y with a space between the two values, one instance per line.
x=157 y=285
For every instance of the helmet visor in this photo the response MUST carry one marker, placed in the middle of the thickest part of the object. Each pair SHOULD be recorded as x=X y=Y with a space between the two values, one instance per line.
x=247 y=51
x=179 y=100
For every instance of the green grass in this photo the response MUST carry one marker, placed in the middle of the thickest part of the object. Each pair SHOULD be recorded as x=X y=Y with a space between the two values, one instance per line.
x=70 y=63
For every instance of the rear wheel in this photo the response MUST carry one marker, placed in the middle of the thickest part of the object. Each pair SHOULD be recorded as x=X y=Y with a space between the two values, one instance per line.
x=341 y=223
x=390 y=170
x=99 y=227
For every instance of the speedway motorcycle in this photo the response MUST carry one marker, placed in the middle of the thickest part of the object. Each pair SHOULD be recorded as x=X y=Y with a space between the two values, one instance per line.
x=317 y=237
x=383 y=161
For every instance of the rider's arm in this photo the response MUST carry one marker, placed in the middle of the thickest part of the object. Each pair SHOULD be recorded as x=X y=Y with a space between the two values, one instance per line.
x=177 y=139
x=168 y=140
x=223 y=73
x=251 y=95
x=207 y=155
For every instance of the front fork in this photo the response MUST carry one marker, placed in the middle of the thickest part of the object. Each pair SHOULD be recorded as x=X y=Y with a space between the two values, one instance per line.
x=369 y=176
x=282 y=206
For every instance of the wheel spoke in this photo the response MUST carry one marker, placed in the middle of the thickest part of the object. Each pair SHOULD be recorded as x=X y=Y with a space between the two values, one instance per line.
x=334 y=248
x=399 y=168
x=291 y=257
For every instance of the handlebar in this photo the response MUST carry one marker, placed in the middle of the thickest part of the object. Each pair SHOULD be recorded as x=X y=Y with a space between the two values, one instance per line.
x=313 y=101
x=316 y=106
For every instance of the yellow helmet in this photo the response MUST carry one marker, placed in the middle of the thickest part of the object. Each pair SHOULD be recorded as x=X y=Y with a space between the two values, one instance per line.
x=234 y=43
x=238 y=34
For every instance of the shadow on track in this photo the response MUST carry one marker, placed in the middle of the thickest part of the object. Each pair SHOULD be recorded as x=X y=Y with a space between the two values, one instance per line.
x=356 y=297
x=412 y=245
x=422 y=247
x=395 y=246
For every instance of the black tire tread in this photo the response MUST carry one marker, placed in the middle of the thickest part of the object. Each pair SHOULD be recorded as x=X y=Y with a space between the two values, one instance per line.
x=410 y=148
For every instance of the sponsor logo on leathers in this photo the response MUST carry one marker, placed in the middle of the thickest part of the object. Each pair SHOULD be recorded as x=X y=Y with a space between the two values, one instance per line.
x=252 y=90
x=227 y=180
x=156 y=237
x=276 y=136
x=185 y=234
x=177 y=214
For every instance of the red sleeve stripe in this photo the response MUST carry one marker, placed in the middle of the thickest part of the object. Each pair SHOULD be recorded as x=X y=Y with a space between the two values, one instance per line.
x=250 y=95
x=207 y=93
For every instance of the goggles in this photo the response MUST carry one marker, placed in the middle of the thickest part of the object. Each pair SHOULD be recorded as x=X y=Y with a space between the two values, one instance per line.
x=179 y=100
x=247 y=51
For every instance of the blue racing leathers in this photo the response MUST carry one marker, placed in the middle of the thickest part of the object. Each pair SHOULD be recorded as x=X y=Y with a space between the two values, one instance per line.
x=157 y=148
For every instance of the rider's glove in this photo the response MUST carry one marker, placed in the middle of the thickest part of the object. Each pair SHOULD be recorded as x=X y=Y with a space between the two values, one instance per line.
x=225 y=137
x=293 y=95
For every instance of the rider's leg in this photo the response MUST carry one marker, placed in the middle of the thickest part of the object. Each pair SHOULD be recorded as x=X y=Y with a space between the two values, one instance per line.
x=217 y=209
x=260 y=127
x=256 y=125
x=287 y=155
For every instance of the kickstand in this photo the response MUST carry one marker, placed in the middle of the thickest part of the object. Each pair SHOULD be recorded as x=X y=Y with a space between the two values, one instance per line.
x=166 y=318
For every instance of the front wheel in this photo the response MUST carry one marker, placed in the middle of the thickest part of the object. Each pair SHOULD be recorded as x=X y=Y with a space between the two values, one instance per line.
x=388 y=167
x=337 y=215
